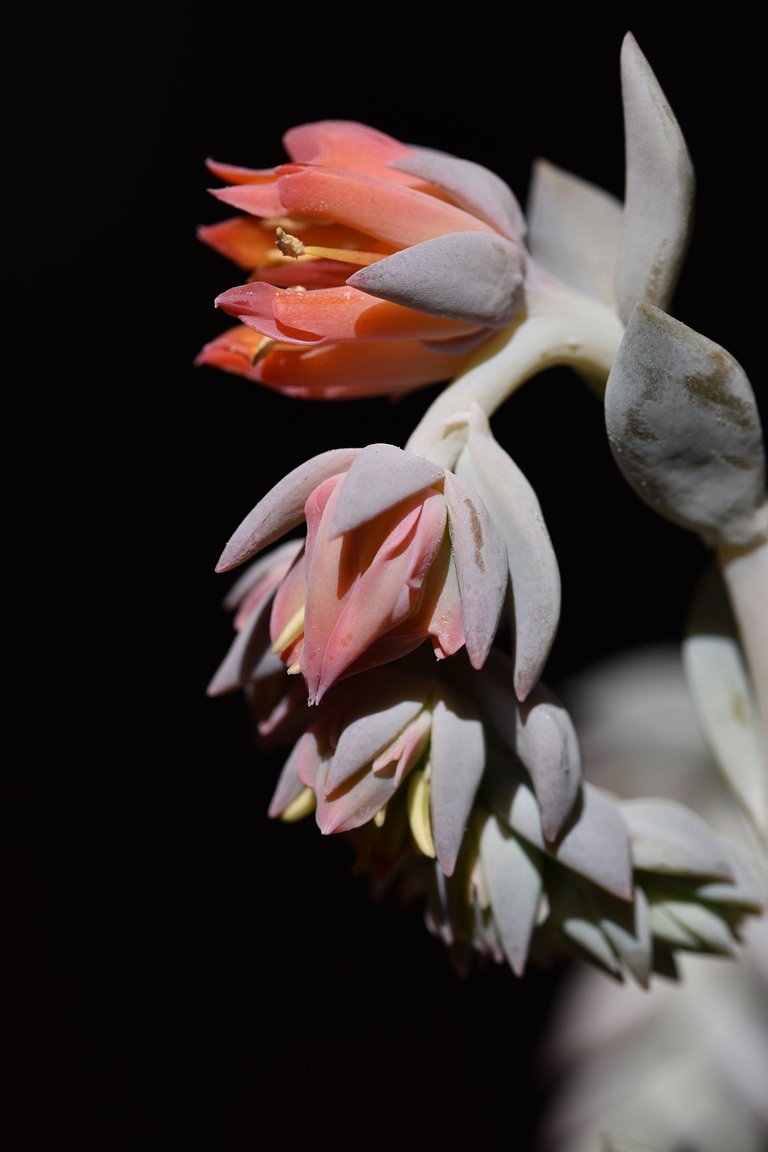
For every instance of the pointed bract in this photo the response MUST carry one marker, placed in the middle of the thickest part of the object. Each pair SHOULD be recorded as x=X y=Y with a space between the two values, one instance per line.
x=379 y=478
x=574 y=229
x=534 y=572
x=659 y=190
x=481 y=560
x=685 y=431
x=667 y=837
x=282 y=509
x=489 y=293
x=457 y=758
x=471 y=186
x=514 y=885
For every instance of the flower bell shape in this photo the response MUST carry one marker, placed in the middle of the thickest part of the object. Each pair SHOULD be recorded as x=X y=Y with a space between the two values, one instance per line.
x=374 y=267
x=397 y=747
x=398 y=550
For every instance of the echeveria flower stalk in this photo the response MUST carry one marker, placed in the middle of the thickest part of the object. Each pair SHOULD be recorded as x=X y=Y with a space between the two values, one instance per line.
x=590 y=259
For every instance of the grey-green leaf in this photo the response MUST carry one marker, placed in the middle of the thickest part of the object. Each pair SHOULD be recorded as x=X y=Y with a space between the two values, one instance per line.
x=669 y=838
x=573 y=229
x=514 y=885
x=684 y=429
x=659 y=190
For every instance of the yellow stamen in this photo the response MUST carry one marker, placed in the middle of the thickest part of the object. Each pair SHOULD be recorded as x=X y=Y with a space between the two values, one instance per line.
x=266 y=345
x=380 y=817
x=418 y=812
x=292 y=247
x=294 y=669
x=291 y=633
x=302 y=806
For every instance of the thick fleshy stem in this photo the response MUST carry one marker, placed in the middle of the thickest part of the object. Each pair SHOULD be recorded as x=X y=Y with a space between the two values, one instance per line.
x=560 y=327
x=745 y=572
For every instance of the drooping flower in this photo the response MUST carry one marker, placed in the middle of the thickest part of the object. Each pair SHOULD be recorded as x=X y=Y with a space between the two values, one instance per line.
x=398 y=551
x=472 y=804
x=387 y=732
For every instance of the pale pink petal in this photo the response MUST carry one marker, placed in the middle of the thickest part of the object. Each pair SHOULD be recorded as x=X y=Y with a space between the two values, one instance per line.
x=339 y=313
x=283 y=507
x=240 y=239
x=406 y=750
x=346 y=144
x=256 y=303
x=364 y=583
x=309 y=760
x=386 y=211
x=234 y=350
x=355 y=368
x=257 y=199
x=235 y=174
x=304 y=274
x=393 y=645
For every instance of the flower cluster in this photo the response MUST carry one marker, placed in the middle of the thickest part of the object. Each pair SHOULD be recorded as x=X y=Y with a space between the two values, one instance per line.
x=396 y=616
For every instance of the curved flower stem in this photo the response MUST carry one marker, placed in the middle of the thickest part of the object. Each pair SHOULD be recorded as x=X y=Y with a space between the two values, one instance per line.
x=745 y=572
x=560 y=327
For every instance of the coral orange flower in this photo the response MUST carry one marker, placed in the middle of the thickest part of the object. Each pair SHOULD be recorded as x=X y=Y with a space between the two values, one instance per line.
x=374 y=268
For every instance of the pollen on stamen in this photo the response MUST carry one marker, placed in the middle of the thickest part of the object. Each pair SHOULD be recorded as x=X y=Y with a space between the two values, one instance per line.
x=288 y=244
x=293 y=248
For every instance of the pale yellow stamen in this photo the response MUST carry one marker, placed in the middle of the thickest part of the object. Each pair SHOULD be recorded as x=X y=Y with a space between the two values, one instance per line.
x=302 y=806
x=380 y=817
x=291 y=633
x=266 y=345
x=292 y=247
x=294 y=669
x=417 y=800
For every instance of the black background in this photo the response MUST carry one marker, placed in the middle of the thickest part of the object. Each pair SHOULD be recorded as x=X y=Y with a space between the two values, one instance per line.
x=189 y=976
